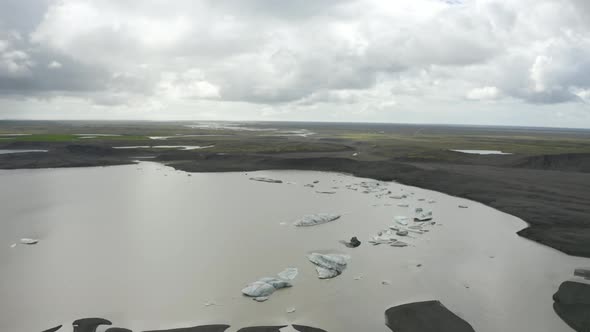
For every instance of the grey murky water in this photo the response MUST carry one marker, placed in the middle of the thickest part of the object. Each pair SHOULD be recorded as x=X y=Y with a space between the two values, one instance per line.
x=148 y=247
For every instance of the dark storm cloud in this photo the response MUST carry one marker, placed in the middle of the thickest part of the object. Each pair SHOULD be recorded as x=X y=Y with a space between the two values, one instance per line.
x=55 y=74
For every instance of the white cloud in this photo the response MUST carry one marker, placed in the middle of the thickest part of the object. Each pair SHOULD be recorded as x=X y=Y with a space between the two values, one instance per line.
x=313 y=59
x=14 y=62
x=54 y=65
x=484 y=93
x=190 y=84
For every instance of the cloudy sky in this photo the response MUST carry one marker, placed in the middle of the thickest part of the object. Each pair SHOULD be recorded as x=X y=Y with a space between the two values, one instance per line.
x=508 y=62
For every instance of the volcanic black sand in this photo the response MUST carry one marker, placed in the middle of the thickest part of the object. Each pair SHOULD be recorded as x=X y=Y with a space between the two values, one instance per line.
x=92 y=324
x=572 y=304
x=428 y=316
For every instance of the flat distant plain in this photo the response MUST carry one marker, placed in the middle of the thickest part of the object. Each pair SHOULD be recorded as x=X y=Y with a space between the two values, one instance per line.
x=545 y=180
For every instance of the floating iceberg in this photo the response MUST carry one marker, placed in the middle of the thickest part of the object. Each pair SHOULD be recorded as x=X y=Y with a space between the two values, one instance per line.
x=263 y=179
x=387 y=237
x=289 y=273
x=402 y=220
x=398 y=197
x=316 y=219
x=423 y=216
x=28 y=241
x=329 y=265
x=261 y=289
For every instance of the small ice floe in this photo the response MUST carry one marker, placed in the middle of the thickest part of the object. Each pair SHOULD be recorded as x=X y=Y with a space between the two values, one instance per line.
x=316 y=181
x=329 y=265
x=29 y=241
x=209 y=304
x=267 y=180
x=358 y=278
x=463 y=206
x=289 y=273
x=290 y=310
x=423 y=216
x=261 y=289
x=355 y=154
x=13 y=245
x=316 y=219
x=398 y=197
x=402 y=220
x=385 y=282
x=402 y=232
x=387 y=237
x=421 y=199
x=403 y=205
x=326 y=192
x=309 y=185
x=377 y=188
x=431 y=201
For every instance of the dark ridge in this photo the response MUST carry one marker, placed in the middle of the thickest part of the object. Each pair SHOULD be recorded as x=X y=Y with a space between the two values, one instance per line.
x=302 y=328
x=90 y=150
x=572 y=304
x=53 y=329
x=89 y=324
x=262 y=329
x=67 y=156
x=574 y=162
x=428 y=316
x=572 y=240
x=202 y=328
